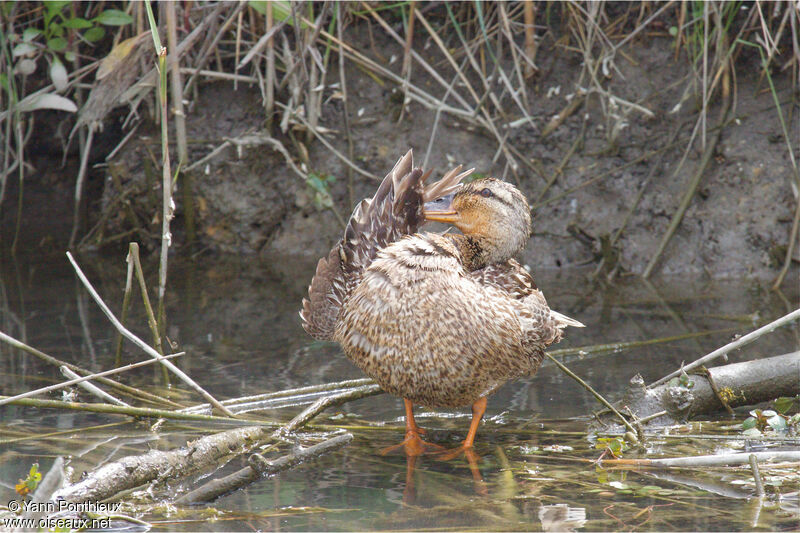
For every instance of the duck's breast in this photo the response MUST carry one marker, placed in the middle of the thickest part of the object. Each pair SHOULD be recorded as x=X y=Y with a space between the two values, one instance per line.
x=427 y=331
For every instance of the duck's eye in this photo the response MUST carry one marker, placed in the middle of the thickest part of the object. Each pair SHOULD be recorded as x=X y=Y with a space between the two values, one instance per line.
x=486 y=193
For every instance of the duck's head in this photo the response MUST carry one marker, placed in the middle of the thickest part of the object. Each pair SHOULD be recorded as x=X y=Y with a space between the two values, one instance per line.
x=491 y=213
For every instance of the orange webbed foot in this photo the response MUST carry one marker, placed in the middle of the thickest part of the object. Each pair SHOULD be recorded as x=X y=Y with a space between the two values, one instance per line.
x=413 y=445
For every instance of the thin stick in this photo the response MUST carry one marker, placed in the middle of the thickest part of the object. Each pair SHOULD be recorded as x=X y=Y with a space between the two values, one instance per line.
x=328 y=145
x=176 y=83
x=323 y=403
x=126 y=300
x=57 y=386
x=269 y=88
x=127 y=389
x=92 y=388
x=79 y=186
x=729 y=459
x=142 y=412
x=345 y=110
x=300 y=391
x=741 y=341
x=596 y=394
x=615 y=346
x=757 y=475
x=133 y=254
x=167 y=205
x=141 y=344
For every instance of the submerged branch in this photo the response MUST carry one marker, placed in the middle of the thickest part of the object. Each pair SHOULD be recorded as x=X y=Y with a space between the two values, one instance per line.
x=738 y=384
x=135 y=470
x=259 y=467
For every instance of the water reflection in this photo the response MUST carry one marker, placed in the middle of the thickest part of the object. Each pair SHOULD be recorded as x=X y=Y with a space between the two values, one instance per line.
x=562 y=517
x=237 y=321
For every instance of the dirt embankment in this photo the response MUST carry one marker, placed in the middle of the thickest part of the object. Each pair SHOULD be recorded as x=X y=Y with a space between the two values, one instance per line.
x=247 y=200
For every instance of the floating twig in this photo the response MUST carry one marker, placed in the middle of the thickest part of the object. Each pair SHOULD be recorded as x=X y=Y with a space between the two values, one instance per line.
x=94 y=389
x=140 y=412
x=57 y=386
x=127 y=389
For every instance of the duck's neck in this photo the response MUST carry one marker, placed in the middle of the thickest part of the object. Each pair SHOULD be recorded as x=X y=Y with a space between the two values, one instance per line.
x=476 y=252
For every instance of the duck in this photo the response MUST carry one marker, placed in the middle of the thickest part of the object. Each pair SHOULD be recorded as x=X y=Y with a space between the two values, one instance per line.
x=441 y=320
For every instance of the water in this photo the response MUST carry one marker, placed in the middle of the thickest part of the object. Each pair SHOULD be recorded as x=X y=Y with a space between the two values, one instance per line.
x=237 y=320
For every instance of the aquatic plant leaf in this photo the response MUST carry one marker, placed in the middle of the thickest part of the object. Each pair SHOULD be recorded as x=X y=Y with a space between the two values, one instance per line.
x=752 y=432
x=749 y=423
x=113 y=17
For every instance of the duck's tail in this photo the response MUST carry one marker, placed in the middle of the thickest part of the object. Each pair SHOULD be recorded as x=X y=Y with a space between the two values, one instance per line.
x=563 y=321
x=394 y=211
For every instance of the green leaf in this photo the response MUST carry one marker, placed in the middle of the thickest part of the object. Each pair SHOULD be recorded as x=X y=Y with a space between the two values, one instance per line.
x=54 y=7
x=281 y=10
x=30 y=34
x=69 y=56
x=94 y=34
x=673 y=30
x=77 y=23
x=4 y=81
x=768 y=413
x=783 y=404
x=749 y=423
x=259 y=5
x=57 y=44
x=113 y=17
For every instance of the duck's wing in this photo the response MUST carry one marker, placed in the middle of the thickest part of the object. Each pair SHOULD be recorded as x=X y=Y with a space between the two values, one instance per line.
x=394 y=211
x=541 y=325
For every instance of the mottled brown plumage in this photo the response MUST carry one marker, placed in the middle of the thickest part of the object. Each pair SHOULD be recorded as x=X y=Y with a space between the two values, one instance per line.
x=442 y=320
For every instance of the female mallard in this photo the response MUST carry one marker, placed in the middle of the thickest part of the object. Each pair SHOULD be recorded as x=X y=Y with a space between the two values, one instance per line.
x=441 y=320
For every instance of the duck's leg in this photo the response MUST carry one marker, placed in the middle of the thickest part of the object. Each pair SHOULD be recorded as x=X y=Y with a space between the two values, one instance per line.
x=413 y=443
x=478 y=408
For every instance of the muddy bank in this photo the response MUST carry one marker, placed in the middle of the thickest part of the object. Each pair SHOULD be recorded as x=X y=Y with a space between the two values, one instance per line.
x=247 y=200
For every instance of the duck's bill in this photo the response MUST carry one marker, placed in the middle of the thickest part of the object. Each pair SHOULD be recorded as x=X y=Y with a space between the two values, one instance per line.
x=440 y=210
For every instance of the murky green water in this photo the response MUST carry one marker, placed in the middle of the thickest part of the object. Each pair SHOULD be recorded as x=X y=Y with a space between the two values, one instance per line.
x=237 y=321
